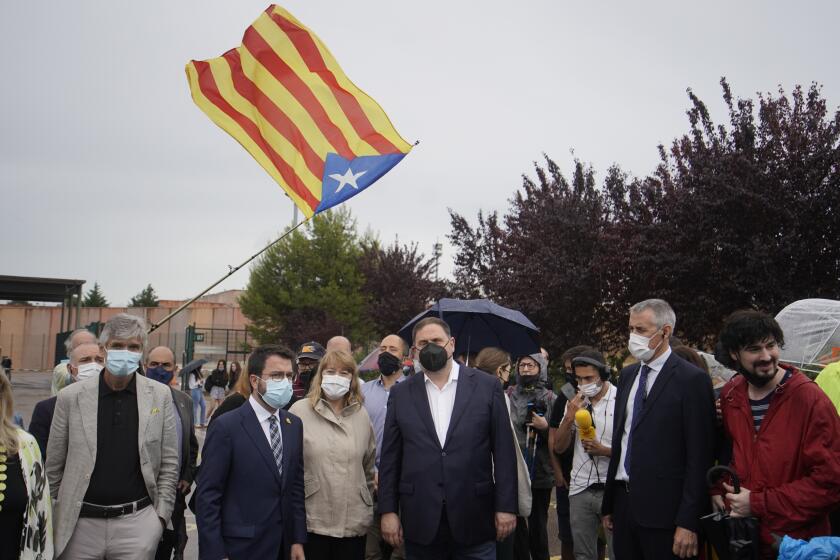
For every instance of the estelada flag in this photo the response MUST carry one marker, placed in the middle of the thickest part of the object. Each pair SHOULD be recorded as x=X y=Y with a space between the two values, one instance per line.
x=282 y=95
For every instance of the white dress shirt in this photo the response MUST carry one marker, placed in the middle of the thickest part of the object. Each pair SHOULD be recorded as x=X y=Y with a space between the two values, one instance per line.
x=655 y=367
x=442 y=401
x=262 y=417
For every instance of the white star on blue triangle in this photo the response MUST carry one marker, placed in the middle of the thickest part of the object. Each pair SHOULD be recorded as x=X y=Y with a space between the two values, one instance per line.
x=345 y=178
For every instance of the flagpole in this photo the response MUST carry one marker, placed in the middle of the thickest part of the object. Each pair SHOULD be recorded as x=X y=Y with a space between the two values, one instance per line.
x=232 y=271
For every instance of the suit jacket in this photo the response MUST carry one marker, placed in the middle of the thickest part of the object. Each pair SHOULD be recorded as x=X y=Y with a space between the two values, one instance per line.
x=189 y=443
x=673 y=446
x=71 y=450
x=39 y=426
x=473 y=475
x=244 y=508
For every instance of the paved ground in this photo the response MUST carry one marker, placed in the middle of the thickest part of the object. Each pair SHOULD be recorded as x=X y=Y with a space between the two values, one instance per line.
x=29 y=388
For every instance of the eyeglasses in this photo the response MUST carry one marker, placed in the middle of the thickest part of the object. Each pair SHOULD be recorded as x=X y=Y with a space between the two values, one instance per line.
x=278 y=375
x=439 y=341
x=527 y=365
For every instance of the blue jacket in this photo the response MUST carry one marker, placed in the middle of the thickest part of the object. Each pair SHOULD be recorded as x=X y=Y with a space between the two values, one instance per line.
x=241 y=501
x=473 y=475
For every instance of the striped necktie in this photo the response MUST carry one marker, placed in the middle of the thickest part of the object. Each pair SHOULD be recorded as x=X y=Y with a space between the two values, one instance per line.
x=276 y=442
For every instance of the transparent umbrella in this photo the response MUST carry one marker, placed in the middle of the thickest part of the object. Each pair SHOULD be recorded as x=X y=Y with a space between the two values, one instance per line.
x=812 y=333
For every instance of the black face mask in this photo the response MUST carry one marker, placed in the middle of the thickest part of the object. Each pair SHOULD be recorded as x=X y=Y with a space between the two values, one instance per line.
x=388 y=363
x=529 y=382
x=433 y=357
x=306 y=379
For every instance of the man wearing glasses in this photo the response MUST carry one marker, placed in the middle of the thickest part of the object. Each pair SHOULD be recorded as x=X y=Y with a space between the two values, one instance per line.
x=447 y=473
x=249 y=498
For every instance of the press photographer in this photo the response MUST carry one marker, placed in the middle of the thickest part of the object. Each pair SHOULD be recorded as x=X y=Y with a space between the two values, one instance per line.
x=531 y=402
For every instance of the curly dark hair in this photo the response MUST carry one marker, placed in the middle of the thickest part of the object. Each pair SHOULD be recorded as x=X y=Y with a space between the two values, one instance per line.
x=745 y=327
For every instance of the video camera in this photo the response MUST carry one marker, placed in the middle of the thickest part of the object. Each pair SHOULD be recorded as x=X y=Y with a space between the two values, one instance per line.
x=535 y=407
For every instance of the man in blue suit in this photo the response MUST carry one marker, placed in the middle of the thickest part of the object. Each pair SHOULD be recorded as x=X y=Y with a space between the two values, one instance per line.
x=448 y=465
x=249 y=498
x=663 y=444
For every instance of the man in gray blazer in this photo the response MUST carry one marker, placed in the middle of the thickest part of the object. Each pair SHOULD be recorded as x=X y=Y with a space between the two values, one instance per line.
x=113 y=455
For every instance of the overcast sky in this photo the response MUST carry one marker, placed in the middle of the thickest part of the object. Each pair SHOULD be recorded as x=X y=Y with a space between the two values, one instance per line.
x=110 y=173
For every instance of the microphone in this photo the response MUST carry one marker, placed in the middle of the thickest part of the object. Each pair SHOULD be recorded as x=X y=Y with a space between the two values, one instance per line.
x=583 y=421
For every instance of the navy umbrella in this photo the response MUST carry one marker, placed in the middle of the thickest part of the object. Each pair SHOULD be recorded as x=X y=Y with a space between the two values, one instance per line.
x=479 y=323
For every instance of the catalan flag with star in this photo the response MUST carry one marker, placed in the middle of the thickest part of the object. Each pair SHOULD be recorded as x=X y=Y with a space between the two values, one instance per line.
x=283 y=96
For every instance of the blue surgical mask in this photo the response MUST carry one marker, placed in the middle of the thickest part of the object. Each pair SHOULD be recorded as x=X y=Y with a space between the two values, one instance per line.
x=277 y=393
x=122 y=363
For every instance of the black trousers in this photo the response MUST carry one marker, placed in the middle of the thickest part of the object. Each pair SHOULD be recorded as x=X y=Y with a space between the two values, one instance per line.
x=632 y=542
x=538 y=523
x=320 y=547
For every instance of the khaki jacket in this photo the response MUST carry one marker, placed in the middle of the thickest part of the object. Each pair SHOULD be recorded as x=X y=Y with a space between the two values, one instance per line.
x=71 y=450
x=339 y=453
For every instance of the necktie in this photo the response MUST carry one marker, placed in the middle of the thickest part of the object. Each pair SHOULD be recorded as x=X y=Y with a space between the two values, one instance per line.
x=276 y=442
x=638 y=405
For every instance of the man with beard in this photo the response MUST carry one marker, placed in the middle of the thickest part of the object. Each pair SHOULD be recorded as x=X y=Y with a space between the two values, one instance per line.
x=392 y=352
x=531 y=403
x=308 y=358
x=785 y=436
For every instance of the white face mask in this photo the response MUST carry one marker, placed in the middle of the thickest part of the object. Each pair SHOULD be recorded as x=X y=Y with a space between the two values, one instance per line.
x=89 y=369
x=639 y=346
x=590 y=390
x=335 y=386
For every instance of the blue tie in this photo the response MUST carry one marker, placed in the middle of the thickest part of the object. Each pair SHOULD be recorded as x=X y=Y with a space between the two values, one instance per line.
x=638 y=406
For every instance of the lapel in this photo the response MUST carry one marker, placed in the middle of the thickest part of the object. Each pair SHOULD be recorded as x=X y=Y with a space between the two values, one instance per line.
x=286 y=434
x=664 y=377
x=463 y=389
x=252 y=427
x=88 y=400
x=421 y=403
x=144 y=407
x=625 y=385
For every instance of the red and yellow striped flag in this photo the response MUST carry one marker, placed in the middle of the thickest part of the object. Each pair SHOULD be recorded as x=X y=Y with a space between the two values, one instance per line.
x=282 y=95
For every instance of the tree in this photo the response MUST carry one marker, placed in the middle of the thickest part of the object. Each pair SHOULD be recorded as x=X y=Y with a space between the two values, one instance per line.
x=738 y=215
x=735 y=215
x=95 y=297
x=543 y=260
x=308 y=286
x=397 y=284
x=146 y=298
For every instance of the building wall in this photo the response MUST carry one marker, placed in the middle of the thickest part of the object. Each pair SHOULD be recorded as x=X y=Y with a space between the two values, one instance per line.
x=27 y=333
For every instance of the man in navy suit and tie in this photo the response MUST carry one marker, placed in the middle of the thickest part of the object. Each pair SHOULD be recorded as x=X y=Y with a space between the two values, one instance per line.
x=249 y=498
x=663 y=444
x=448 y=465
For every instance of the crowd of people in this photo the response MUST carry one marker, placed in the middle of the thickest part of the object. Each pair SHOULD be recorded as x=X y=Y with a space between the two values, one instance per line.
x=445 y=459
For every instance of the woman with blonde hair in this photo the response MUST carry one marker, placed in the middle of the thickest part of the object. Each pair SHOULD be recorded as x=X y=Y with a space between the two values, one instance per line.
x=339 y=451
x=25 y=510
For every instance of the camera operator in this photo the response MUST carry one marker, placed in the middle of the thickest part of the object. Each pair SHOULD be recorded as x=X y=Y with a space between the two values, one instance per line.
x=531 y=402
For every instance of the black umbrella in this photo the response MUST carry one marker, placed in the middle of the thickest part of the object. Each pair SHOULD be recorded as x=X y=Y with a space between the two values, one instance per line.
x=479 y=323
x=192 y=366
x=733 y=538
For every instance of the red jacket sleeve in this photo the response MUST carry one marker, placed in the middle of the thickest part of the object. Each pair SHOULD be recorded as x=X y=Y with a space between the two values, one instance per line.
x=817 y=493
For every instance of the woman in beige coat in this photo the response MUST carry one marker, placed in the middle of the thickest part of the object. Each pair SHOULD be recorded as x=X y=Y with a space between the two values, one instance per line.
x=339 y=451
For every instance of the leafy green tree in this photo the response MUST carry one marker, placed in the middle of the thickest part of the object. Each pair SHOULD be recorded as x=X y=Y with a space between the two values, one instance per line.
x=146 y=298
x=309 y=286
x=94 y=297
